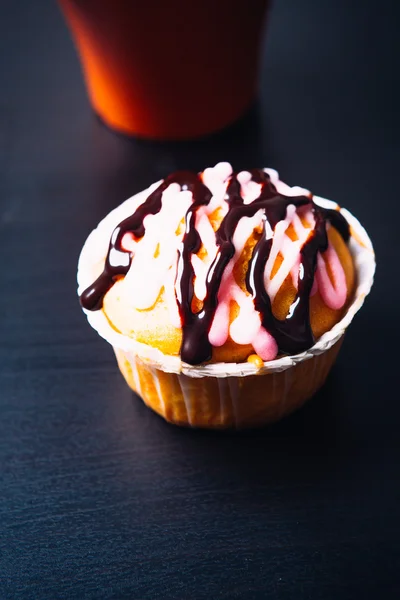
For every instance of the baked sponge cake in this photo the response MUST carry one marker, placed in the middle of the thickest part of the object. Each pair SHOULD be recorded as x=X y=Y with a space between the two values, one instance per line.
x=208 y=285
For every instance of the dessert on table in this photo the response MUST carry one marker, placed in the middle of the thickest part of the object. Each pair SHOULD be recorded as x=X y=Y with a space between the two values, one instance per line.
x=225 y=295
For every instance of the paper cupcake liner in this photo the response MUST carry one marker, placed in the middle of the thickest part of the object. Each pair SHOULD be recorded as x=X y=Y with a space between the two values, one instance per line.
x=230 y=401
x=222 y=395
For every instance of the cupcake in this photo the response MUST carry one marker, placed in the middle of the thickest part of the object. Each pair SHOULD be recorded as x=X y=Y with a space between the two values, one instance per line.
x=225 y=295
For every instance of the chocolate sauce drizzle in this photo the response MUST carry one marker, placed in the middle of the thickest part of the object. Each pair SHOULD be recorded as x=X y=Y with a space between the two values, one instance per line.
x=292 y=334
x=119 y=260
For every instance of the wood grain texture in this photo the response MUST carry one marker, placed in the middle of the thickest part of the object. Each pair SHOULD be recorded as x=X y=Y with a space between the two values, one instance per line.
x=99 y=498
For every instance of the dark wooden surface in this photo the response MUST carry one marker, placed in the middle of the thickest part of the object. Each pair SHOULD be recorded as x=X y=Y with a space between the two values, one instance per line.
x=99 y=497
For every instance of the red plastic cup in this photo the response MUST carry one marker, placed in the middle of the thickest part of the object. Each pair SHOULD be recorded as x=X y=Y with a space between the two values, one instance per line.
x=168 y=69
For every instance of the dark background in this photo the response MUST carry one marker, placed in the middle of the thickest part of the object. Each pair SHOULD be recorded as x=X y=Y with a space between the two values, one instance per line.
x=99 y=497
